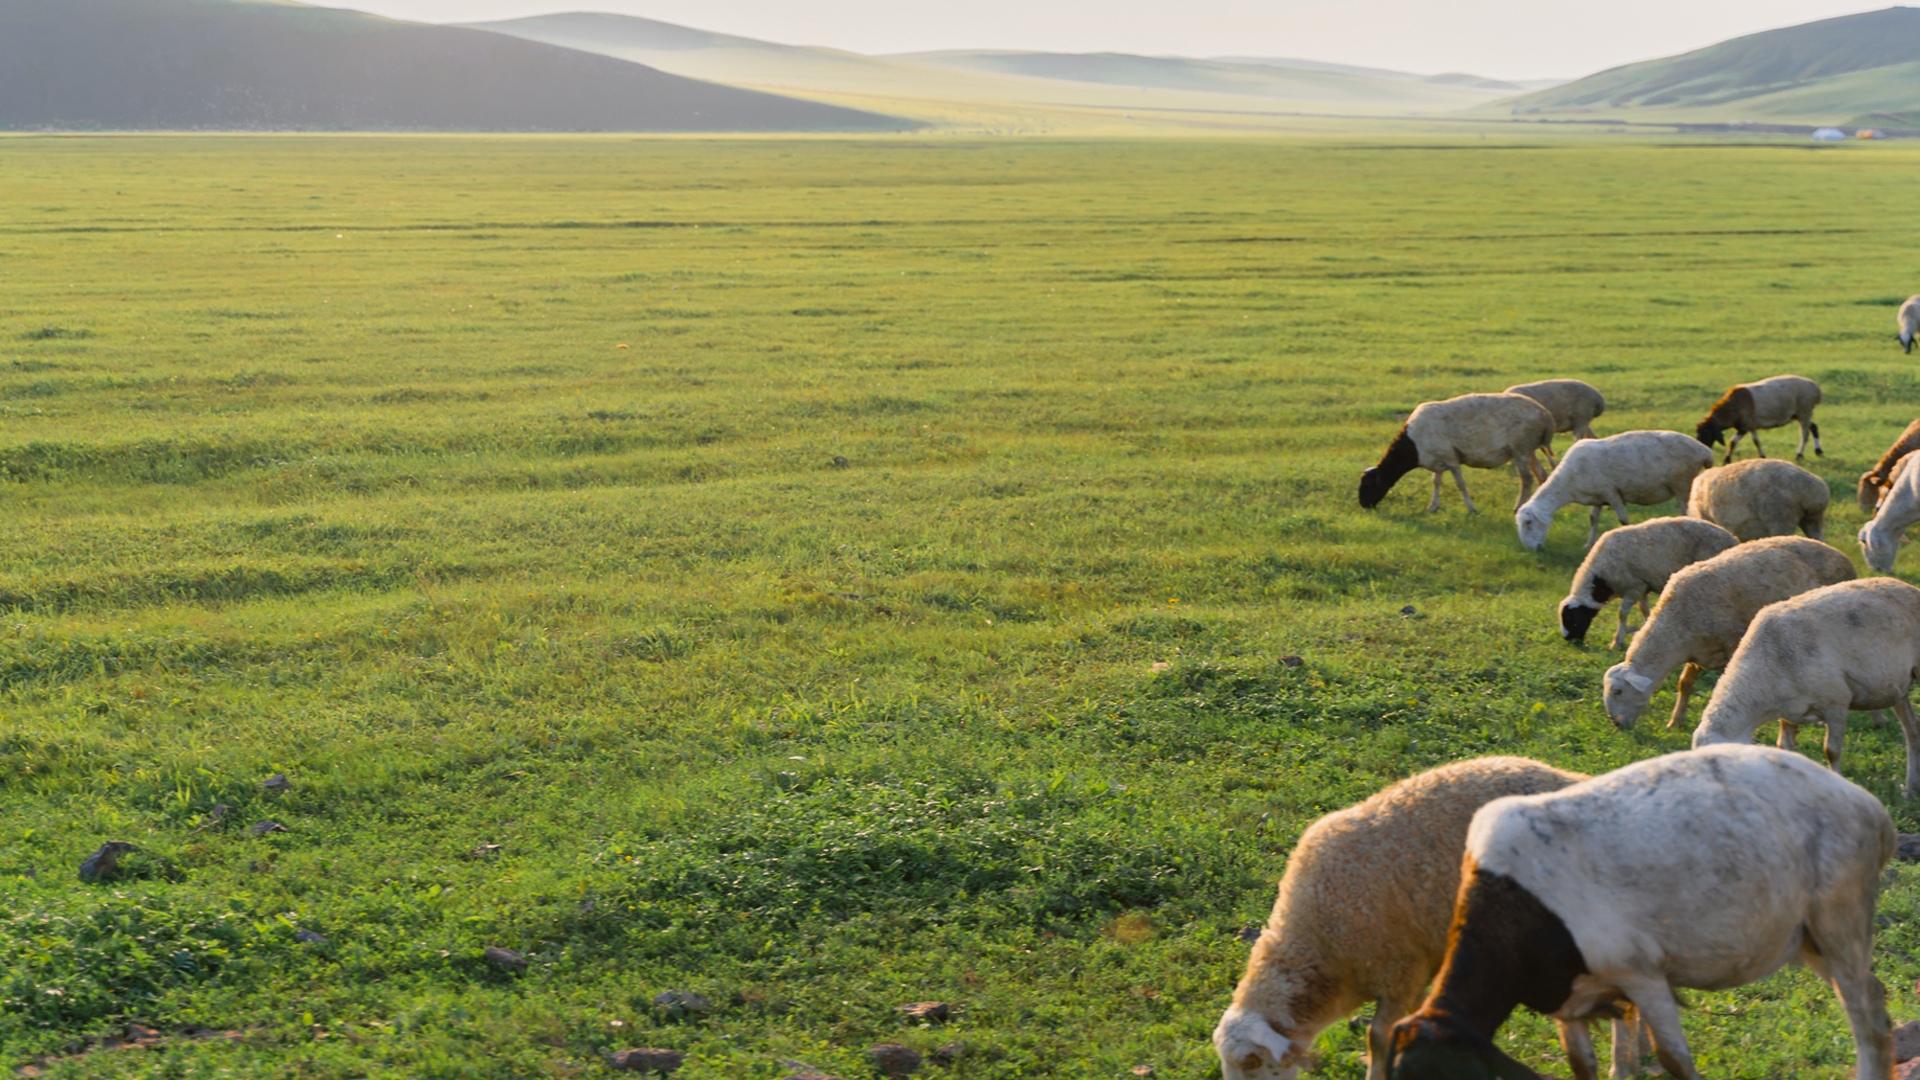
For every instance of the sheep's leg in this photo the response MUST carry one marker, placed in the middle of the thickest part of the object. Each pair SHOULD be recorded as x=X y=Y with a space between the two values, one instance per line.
x=1839 y=948
x=1461 y=482
x=1655 y=1001
x=1815 y=428
x=1629 y=1044
x=1546 y=448
x=1386 y=1013
x=1800 y=452
x=1687 y=675
x=1434 y=503
x=1756 y=444
x=1836 y=740
x=1733 y=442
x=1577 y=1041
x=1527 y=468
x=1583 y=430
x=1593 y=527
x=1789 y=736
x=1910 y=728
x=1620 y=635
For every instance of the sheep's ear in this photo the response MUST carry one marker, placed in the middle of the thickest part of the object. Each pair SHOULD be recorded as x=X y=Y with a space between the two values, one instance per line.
x=1637 y=681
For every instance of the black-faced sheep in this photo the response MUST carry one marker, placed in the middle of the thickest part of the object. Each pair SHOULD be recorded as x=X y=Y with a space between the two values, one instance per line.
x=1875 y=481
x=1637 y=467
x=1485 y=431
x=1749 y=408
x=1632 y=564
x=1705 y=611
x=1362 y=916
x=1758 y=498
x=1811 y=659
x=1708 y=869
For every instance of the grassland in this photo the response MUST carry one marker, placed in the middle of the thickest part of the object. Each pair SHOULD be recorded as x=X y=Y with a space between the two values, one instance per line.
x=836 y=574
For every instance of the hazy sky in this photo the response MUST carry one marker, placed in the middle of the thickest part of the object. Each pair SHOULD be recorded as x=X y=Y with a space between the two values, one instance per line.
x=1509 y=38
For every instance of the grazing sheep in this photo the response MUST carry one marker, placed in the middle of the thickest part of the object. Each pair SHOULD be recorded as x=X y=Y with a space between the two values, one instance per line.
x=1704 y=612
x=1639 y=467
x=1710 y=869
x=1769 y=403
x=1572 y=403
x=1851 y=646
x=1758 y=498
x=1875 y=481
x=1362 y=917
x=1633 y=563
x=1909 y=322
x=1880 y=538
x=1485 y=431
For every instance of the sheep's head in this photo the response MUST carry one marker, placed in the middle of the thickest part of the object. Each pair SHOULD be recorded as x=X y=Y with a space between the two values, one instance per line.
x=1374 y=485
x=1880 y=547
x=1531 y=522
x=1428 y=1046
x=1250 y=1048
x=1906 y=340
x=1710 y=432
x=1575 y=617
x=1627 y=693
x=1869 y=493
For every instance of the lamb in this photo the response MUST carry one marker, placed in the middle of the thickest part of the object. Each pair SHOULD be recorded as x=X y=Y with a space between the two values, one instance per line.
x=1362 y=916
x=1634 y=563
x=1572 y=403
x=1710 y=869
x=1758 y=498
x=1640 y=467
x=1769 y=403
x=1704 y=612
x=1880 y=538
x=1875 y=481
x=1485 y=431
x=1909 y=322
x=1855 y=645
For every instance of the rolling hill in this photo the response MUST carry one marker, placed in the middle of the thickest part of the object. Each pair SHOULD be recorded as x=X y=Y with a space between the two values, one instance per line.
x=251 y=65
x=1852 y=69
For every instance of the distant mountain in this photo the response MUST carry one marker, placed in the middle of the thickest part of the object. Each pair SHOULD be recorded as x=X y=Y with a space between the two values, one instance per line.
x=262 y=65
x=1856 y=68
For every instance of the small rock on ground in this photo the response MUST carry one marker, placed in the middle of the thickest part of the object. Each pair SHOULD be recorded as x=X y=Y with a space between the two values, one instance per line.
x=681 y=1004
x=103 y=864
x=1249 y=933
x=1292 y=661
x=931 y=1012
x=647 y=1059
x=894 y=1060
x=309 y=937
x=262 y=828
x=277 y=782
x=505 y=959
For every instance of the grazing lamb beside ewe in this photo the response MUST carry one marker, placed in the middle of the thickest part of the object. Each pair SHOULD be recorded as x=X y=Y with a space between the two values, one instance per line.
x=1875 y=481
x=1811 y=659
x=1633 y=563
x=1639 y=467
x=1909 y=322
x=1485 y=431
x=1710 y=869
x=1362 y=917
x=1705 y=611
x=1880 y=538
x=1758 y=498
x=1572 y=403
x=1769 y=403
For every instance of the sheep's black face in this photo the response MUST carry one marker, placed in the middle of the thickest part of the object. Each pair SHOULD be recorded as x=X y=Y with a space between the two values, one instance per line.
x=1429 y=1048
x=1374 y=486
x=1574 y=620
x=1709 y=432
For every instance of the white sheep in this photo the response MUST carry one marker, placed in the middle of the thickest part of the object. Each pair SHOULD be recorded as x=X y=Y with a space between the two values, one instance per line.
x=1758 y=498
x=1632 y=564
x=1485 y=431
x=1909 y=322
x=1709 y=869
x=1705 y=611
x=1811 y=659
x=1638 y=467
x=1880 y=538
x=1769 y=403
x=1572 y=403
x=1362 y=917
x=1875 y=481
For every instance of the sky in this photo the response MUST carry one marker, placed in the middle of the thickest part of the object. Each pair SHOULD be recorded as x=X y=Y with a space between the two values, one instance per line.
x=1500 y=38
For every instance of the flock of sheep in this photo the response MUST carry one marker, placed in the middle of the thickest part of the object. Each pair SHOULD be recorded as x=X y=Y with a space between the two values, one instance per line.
x=1454 y=897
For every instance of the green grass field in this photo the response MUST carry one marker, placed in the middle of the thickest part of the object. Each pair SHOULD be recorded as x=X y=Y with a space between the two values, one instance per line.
x=837 y=574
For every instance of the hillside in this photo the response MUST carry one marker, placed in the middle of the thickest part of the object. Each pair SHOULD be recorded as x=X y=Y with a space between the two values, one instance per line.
x=244 y=65
x=1836 y=70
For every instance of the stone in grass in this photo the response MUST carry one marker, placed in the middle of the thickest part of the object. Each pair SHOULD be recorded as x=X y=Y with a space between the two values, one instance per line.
x=505 y=959
x=892 y=1060
x=278 y=783
x=1143 y=1070
x=1292 y=661
x=262 y=828
x=1909 y=848
x=946 y=1055
x=926 y=1012
x=647 y=1059
x=681 y=1004
x=1409 y=611
x=1906 y=1041
x=309 y=937
x=102 y=865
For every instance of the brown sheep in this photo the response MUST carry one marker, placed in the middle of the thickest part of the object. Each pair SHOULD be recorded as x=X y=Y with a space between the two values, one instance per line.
x=1769 y=403
x=1875 y=481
